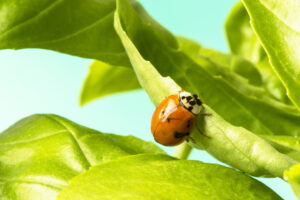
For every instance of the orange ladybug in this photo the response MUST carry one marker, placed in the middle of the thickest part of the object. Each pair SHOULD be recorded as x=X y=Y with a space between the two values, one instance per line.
x=175 y=117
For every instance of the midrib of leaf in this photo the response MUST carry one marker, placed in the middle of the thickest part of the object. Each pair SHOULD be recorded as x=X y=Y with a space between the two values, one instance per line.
x=35 y=17
x=54 y=187
x=99 y=21
x=63 y=124
x=241 y=152
x=285 y=23
x=282 y=70
x=289 y=27
x=35 y=139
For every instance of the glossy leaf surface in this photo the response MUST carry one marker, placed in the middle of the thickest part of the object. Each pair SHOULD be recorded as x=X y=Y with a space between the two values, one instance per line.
x=50 y=25
x=158 y=177
x=104 y=79
x=276 y=23
x=244 y=42
x=40 y=154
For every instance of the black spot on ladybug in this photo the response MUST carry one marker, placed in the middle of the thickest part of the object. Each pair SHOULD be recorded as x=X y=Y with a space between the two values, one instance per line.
x=198 y=102
x=183 y=97
x=189 y=98
x=180 y=135
x=190 y=108
x=195 y=96
x=163 y=112
x=188 y=125
x=192 y=103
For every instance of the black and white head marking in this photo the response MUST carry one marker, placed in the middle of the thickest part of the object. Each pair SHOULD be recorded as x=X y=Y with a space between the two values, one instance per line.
x=190 y=102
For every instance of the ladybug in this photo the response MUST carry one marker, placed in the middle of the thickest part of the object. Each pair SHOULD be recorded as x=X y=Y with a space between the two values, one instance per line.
x=175 y=117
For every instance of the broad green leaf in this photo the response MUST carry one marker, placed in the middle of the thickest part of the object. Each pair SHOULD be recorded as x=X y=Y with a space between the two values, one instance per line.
x=240 y=148
x=293 y=177
x=161 y=177
x=289 y=141
x=81 y=28
x=241 y=39
x=276 y=24
x=104 y=79
x=239 y=73
x=244 y=42
x=233 y=145
x=288 y=145
x=50 y=24
x=254 y=114
x=225 y=62
x=40 y=154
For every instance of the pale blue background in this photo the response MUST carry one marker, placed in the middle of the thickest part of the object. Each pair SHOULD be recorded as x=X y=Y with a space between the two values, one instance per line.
x=39 y=81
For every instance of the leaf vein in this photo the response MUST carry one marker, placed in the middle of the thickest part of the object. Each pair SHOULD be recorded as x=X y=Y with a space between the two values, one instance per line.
x=72 y=134
x=78 y=31
x=33 y=140
x=48 y=8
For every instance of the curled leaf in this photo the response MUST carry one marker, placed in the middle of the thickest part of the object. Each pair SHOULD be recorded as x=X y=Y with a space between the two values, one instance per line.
x=230 y=144
x=276 y=24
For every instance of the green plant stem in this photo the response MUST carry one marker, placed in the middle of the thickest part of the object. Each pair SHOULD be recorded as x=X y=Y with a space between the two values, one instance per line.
x=183 y=151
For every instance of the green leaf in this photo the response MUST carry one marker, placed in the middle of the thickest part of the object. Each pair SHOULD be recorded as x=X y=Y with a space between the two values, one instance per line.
x=220 y=63
x=244 y=42
x=241 y=39
x=293 y=177
x=272 y=83
x=256 y=115
x=161 y=177
x=289 y=141
x=289 y=145
x=50 y=25
x=233 y=145
x=40 y=154
x=276 y=23
x=239 y=73
x=104 y=79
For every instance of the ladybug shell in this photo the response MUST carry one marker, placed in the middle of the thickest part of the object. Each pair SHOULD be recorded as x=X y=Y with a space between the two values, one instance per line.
x=171 y=123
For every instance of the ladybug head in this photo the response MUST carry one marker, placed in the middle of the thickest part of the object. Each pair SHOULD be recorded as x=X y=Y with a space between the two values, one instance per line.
x=191 y=102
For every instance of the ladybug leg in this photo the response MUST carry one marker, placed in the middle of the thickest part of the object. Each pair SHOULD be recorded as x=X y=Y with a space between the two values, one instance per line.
x=202 y=132
x=190 y=138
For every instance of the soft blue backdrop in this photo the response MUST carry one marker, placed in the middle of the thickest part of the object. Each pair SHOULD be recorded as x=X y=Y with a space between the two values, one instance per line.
x=39 y=81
